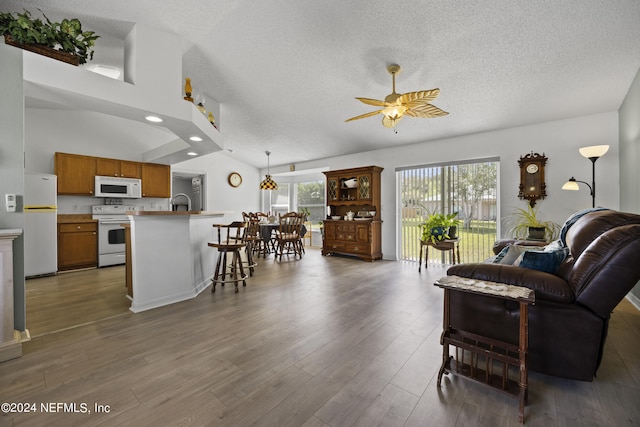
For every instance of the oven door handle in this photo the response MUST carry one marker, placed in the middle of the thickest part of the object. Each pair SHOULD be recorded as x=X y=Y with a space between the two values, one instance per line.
x=113 y=221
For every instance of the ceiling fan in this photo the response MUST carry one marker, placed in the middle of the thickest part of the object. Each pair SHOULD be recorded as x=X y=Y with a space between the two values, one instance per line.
x=396 y=105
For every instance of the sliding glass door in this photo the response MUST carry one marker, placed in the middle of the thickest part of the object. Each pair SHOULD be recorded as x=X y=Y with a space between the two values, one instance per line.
x=468 y=188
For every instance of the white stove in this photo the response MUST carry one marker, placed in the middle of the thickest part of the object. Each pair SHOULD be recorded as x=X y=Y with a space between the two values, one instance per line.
x=111 y=242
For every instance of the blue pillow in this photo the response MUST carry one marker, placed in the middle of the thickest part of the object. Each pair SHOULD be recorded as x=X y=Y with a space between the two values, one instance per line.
x=547 y=260
x=509 y=254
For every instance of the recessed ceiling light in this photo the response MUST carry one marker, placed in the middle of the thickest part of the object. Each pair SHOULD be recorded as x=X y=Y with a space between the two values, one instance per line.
x=191 y=153
x=154 y=119
x=195 y=138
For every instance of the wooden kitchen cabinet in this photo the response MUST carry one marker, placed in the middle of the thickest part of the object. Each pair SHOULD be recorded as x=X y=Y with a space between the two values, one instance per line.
x=120 y=168
x=156 y=180
x=77 y=245
x=75 y=174
x=360 y=237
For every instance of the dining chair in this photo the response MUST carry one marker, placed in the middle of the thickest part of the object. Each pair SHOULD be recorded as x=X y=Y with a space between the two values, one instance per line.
x=253 y=238
x=230 y=240
x=288 y=235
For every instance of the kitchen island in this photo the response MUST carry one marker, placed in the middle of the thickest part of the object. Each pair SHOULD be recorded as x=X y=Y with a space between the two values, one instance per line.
x=168 y=259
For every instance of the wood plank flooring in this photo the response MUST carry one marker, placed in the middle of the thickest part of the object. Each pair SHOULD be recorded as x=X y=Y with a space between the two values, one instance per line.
x=322 y=341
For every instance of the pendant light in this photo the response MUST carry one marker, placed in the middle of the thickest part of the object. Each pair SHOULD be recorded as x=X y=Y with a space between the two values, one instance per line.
x=268 y=183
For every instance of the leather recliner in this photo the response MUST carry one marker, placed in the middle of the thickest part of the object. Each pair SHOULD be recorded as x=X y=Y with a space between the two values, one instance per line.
x=569 y=321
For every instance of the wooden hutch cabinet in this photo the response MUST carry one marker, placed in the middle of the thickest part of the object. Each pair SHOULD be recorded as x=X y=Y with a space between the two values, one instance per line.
x=356 y=190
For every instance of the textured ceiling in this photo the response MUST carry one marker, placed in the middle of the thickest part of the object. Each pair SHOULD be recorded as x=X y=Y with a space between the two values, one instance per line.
x=286 y=72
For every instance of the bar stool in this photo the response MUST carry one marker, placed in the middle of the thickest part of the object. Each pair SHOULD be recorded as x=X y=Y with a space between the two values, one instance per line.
x=230 y=240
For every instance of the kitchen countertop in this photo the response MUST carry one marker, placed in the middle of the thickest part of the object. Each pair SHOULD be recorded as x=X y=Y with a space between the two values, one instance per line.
x=175 y=213
x=74 y=218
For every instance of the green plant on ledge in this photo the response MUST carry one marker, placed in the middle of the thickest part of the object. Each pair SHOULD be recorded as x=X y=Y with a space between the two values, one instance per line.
x=66 y=36
x=436 y=226
x=306 y=213
x=524 y=222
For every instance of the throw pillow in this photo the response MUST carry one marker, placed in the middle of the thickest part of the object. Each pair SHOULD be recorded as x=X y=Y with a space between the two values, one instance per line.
x=547 y=260
x=509 y=254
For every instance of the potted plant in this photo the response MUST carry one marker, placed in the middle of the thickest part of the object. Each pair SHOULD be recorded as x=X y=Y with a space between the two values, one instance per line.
x=453 y=225
x=436 y=226
x=64 y=40
x=305 y=212
x=526 y=225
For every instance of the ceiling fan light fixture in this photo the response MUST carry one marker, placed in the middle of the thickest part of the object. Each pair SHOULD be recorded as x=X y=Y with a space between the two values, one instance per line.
x=394 y=112
x=396 y=105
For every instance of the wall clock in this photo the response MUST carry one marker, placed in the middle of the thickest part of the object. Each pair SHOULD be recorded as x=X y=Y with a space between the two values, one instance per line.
x=532 y=185
x=235 y=179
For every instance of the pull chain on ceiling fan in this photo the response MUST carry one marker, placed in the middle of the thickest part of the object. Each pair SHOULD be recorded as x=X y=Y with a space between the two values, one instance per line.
x=396 y=106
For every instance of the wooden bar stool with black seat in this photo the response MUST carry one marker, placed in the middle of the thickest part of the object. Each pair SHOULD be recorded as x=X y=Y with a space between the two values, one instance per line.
x=230 y=241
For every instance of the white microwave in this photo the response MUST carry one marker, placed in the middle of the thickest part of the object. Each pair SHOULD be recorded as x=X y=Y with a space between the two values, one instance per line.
x=126 y=188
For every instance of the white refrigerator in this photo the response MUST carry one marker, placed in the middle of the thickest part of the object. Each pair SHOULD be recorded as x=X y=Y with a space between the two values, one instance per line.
x=40 y=224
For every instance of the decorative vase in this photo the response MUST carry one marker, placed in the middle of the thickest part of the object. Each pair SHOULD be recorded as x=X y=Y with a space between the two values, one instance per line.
x=187 y=90
x=438 y=232
x=453 y=232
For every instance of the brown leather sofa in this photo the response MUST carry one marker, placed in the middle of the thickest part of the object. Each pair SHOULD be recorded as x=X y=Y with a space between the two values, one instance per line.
x=569 y=321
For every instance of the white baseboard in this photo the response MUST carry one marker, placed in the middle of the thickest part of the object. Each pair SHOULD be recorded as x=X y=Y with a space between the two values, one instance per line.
x=634 y=300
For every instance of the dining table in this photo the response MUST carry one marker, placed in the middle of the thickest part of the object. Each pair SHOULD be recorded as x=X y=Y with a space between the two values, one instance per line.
x=267 y=228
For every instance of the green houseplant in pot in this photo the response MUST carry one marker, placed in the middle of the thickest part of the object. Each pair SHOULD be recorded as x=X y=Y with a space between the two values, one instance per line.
x=525 y=224
x=63 y=40
x=436 y=226
x=454 y=223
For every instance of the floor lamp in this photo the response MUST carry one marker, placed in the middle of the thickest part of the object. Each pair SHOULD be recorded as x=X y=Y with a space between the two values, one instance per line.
x=592 y=153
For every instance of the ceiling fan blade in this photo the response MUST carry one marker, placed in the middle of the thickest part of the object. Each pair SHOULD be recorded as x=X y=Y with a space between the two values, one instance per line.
x=425 y=111
x=374 y=102
x=364 y=116
x=422 y=95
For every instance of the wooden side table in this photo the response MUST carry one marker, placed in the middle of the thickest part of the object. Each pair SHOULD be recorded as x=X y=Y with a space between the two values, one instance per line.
x=485 y=351
x=452 y=245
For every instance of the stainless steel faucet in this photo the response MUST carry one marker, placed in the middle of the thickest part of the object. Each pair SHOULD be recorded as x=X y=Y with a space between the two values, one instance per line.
x=183 y=195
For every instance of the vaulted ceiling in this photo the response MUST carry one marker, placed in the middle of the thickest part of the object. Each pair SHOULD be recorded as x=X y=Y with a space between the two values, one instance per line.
x=286 y=72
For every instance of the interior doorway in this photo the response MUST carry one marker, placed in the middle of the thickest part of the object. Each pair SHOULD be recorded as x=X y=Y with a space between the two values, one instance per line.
x=188 y=191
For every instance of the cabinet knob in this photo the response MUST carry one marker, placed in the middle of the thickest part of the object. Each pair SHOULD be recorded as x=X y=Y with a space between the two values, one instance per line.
x=78 y=227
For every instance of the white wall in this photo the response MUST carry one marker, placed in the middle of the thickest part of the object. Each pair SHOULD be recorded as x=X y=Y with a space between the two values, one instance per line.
x=629 y=157
x=220 y=196
x=559 y=140
x=11 y=167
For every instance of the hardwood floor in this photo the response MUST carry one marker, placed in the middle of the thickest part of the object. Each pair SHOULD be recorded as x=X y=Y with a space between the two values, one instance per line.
x=74 y=298
x=322 y=341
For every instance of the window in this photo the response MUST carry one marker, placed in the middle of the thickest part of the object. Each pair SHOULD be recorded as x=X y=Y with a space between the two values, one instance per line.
x=310 y=195
x=469 y=188
x=295 y=196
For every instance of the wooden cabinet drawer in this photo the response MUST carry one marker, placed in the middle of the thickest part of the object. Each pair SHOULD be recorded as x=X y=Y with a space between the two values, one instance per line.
x=358 y=248
x=332 y=245
x=77 y=227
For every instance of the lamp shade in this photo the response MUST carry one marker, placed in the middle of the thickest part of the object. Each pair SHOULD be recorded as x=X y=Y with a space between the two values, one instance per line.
x=594 y=151
x=571 y=185
x=268 y=184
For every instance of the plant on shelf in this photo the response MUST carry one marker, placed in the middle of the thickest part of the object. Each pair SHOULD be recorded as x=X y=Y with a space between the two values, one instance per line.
x=525 y=224
x=306 y=213
x=66 y=36
x=436 y=226
x=454 y=222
